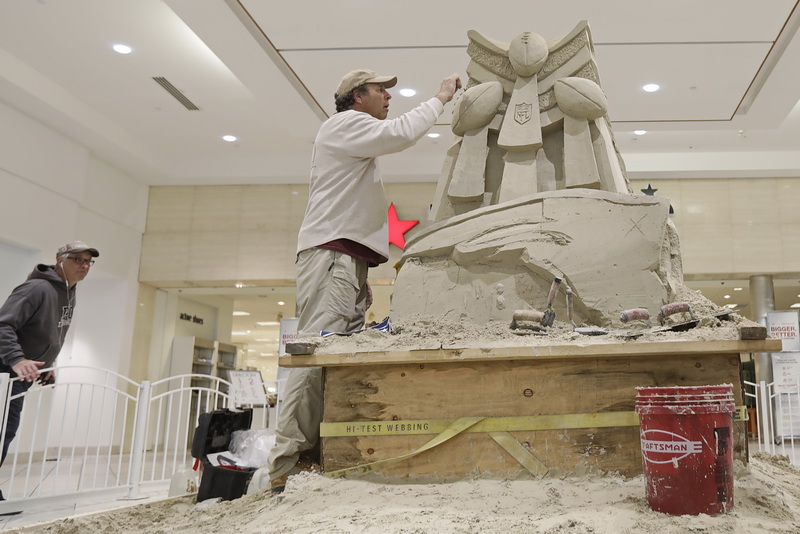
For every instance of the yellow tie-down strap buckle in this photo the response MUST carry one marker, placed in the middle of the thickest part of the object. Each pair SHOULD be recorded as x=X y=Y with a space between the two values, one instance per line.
x=497 y=427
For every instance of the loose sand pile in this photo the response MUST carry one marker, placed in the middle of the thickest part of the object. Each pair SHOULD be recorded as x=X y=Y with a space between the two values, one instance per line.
x=767 y=499
x=428 y=332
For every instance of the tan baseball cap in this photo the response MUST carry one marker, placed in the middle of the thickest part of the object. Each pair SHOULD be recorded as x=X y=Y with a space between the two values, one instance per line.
x=355 y=78
x=77 y=246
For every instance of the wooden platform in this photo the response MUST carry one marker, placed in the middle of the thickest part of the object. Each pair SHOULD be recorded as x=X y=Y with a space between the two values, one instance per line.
x=442 y=415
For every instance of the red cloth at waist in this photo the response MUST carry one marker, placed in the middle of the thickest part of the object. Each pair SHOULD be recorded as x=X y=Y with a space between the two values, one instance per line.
x=356 y=250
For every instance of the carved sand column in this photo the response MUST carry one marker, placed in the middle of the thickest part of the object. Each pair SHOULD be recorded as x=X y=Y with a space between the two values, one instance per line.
x=521 y=132
x=580 y=100
x=474 y=111
x=611 y=173
x=588 y=163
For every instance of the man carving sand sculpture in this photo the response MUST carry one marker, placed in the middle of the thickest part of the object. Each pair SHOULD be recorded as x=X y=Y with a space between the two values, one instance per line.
x=344 y=232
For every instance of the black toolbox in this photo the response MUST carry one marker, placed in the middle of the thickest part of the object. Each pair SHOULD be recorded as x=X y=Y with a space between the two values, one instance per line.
x=213 y=434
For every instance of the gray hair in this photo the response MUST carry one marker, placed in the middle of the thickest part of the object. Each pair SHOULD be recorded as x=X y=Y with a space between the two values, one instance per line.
x=346 y=101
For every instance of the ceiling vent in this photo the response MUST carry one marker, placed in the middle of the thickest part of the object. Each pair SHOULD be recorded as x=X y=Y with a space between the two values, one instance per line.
x=171 y=89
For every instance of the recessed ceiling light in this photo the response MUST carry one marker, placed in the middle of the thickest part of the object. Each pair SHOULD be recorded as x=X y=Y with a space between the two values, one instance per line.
x=229 y=138
x=737 y=288
x=122 y=49
x=281 y=303
x=243 y=333
x=267 y=323
x=407 y=92
x=651 y=87
x=433 y=135
x=640 y=132
x=796 y=304
x=267 y=354
x=726 y=296
x=731 y=305
x=241 y=313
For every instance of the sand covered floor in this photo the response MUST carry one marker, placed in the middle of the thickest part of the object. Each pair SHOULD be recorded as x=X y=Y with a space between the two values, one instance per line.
x=767 y=499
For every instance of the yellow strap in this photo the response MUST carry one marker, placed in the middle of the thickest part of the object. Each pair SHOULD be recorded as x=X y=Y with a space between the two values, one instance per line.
x=520 y=453
x=490 y=424
x=458 y=426
x=487 y=424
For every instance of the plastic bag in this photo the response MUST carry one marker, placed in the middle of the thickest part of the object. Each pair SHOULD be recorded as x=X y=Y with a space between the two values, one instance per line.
x=252 y=446
x=183 y=481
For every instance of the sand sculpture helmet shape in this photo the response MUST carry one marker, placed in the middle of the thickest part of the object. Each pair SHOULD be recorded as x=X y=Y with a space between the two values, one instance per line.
x=532 y=189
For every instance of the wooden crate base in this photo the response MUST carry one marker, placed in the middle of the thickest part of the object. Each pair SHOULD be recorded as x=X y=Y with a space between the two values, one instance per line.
x=365 y=402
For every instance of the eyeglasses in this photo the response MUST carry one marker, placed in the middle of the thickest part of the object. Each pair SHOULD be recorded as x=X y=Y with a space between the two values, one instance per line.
x=81 y=261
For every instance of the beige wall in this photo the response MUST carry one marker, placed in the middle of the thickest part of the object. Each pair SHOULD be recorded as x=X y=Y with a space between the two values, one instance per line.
x=736 y=227
x=208 y=234
x=220 y=233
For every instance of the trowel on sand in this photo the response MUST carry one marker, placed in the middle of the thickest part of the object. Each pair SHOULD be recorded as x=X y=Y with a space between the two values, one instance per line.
x=642 y=314
x=550 y=313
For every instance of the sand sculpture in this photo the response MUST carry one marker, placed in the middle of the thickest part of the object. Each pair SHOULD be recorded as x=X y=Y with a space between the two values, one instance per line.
x=533 y=189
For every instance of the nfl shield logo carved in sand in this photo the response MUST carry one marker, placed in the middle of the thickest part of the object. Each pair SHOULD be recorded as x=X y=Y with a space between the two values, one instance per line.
x=522 y=112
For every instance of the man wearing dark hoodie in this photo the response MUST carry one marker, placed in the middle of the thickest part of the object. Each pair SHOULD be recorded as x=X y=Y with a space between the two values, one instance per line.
x=34 y=321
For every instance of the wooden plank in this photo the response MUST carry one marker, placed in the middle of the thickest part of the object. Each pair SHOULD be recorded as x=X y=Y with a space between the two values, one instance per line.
x=509 y=388
x=505 y=388
x=532 y=352
x=470 y=455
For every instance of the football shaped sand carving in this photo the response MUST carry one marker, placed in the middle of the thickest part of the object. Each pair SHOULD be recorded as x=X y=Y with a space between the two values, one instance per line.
x=580 y=97
x=476 y=107
x=527 y=53
x=540 y=193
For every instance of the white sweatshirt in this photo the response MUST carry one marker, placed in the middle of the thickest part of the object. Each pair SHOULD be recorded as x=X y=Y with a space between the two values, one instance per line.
x=346 y=198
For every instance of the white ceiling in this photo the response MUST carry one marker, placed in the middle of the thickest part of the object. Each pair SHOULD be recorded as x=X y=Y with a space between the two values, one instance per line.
x=266 y=71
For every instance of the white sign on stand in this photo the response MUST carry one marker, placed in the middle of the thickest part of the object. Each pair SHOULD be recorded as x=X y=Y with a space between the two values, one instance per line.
x=247 y=388
x=785 y=364
x=786 y=371
x=784 y=326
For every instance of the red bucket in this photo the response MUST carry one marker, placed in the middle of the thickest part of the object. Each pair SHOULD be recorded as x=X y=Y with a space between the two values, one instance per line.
x=687 y=448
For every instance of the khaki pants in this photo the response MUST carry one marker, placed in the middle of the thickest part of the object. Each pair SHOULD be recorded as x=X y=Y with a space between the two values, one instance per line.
x=331 y=295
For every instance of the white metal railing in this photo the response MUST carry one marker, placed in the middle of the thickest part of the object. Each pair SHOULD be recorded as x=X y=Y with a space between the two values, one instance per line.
x=777 y=428
x=96 y=430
